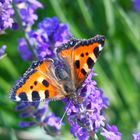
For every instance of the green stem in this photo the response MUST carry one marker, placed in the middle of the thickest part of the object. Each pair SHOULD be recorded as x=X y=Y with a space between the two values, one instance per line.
x=60 y=13
x=6 y=63
x=86 y=14
x=19 y=21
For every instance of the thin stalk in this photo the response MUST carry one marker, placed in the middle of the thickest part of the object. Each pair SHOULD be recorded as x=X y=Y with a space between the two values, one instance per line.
x=7 y=64
x=127 y=25
x=121 y=86
x=86 y=14
x=4 y=85
x=60 y=13
x=110 y=17
x=19 y=21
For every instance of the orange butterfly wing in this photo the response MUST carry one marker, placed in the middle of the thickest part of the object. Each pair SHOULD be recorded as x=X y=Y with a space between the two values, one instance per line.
x=81 y=57
x=66 y=54
x=38 y=83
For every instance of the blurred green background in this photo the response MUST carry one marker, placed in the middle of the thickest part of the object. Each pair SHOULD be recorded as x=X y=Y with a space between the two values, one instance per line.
x=118 y=68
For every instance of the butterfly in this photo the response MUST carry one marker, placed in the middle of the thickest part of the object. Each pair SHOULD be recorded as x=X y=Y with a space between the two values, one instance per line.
x=61 y=77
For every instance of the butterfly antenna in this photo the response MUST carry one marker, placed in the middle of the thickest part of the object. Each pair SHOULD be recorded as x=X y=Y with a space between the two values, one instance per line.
x=65 y=113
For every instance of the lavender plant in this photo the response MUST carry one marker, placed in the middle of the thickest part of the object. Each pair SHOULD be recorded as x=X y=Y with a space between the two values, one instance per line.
x=136 y=136
x=49 y=34
x=86 y=117
x=6 y=14
x=111 y=133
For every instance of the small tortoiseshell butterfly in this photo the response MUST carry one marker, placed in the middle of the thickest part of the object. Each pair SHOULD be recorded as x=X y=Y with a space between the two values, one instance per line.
x=59 y=77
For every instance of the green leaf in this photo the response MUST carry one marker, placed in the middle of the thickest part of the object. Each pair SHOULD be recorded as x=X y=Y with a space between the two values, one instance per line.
x=86 y=14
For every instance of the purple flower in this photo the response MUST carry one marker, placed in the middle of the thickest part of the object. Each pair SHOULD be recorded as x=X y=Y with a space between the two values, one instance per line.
x=78 y=132
x=6 y=14
x=2 y=51
x=52 y=121
x=136 y=4
x=85 y=113
x=23 y=49
x=87 y=116
x=27 y=9
x=38 y=112
x=26 y=124
x=43 y=41
x=49 y=35
x=136 y=136
x=111 y=133
x=53 y=124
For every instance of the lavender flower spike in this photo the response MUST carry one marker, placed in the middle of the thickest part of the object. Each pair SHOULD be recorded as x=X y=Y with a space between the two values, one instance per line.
x=24 y=50
x=6 y=14
x=26 y=10
x=49 y=35
x=136 y=136
x=40 y=116
x=53 y=124
x=87 y=117
x=111 y=133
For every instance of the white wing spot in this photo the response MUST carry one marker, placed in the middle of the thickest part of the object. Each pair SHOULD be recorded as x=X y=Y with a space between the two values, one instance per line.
x=18 y=99
x=100 y=47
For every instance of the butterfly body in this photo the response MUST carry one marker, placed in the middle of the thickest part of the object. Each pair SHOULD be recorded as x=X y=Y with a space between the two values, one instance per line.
x=62 y=76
